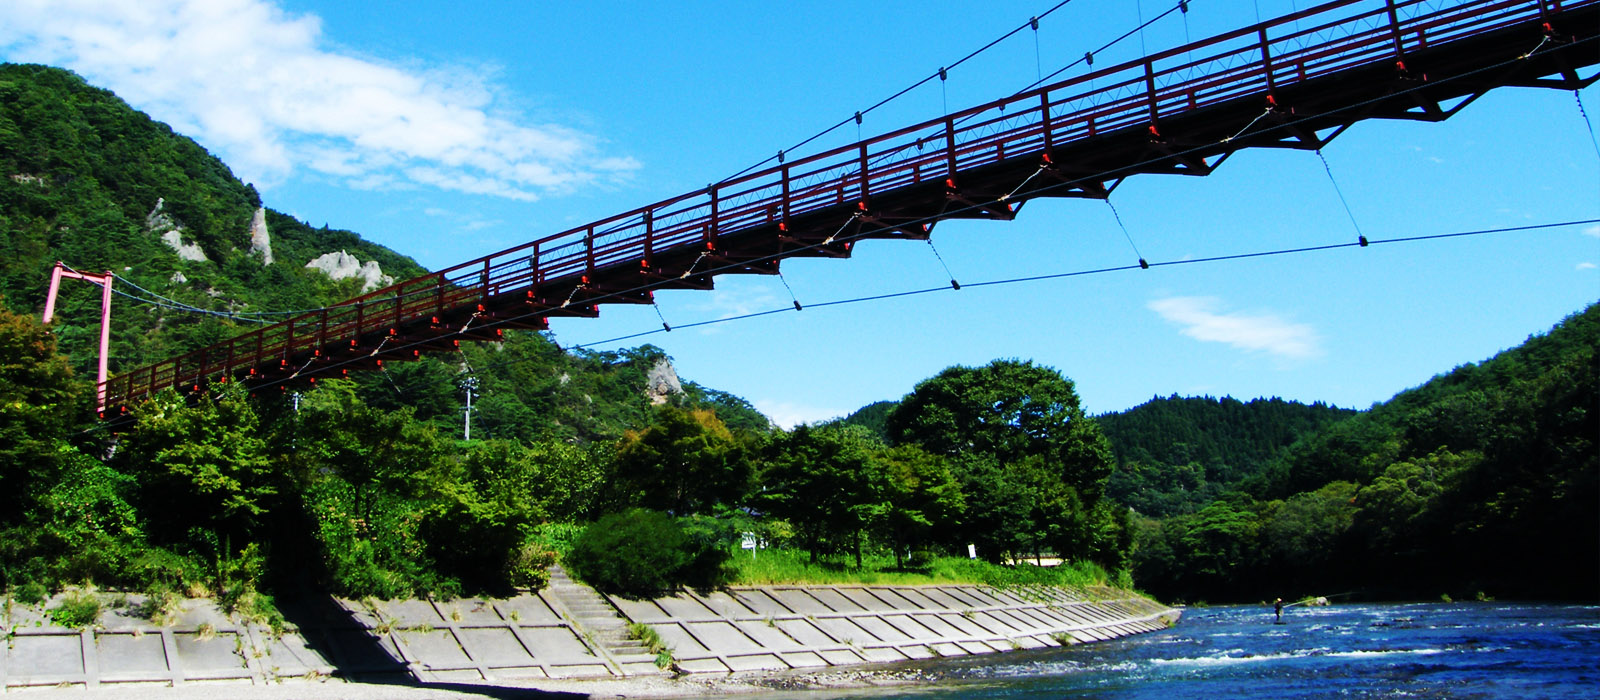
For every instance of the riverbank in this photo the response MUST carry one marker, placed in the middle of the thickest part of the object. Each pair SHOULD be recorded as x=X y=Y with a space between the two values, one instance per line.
x=562 y=639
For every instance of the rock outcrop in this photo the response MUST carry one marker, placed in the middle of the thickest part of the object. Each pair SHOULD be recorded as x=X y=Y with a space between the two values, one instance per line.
x=187 y=251
x=662 y=382
x=260 y=239
x=342 y=265
x=158 y=221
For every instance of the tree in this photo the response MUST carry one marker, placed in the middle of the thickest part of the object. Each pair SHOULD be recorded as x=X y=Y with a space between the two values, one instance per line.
x=201 y=464
x=336 y=434
x=821 y=481
x=37 y=401
x=686 y=462
x=921 y=495
x=1035 y=464
x=1221 y=541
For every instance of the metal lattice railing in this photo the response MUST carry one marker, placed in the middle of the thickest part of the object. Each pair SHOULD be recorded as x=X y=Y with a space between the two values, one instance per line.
x=1317 y=42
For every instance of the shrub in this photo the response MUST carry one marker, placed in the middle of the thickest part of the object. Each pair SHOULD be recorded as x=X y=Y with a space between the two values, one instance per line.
x=528 y=565
x=162 y=609
x=30 y=593
x=156 y=570
x=78 y=609
x=637 y=552
x=710 y=548
x=557 y=537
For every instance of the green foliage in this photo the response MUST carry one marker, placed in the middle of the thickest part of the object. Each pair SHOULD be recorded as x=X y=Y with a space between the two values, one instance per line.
x=787 y=566
x=1482 y=479
x=380 y=556
x=557 y=537
x=1032 y=465
x=1010 y=410
x=735 y=412
x=635 y=552
x=362 y=479
x=1176 y=454
x=528 y=566
x=638 y=552
x=30 y=593
x=686 y=462
x=653 y=642
x=203 y=465
x=920 y=494
x=822 y=483
x=159 y=569
x=37 y=402
x=83 y=173
x=874 y=417
x=79 y=608
x=534 y=391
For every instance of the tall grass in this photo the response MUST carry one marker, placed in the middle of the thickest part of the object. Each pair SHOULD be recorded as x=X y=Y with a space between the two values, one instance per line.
x=789 y=566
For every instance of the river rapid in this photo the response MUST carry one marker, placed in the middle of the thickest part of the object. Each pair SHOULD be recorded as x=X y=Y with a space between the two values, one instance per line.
x=1421 y=650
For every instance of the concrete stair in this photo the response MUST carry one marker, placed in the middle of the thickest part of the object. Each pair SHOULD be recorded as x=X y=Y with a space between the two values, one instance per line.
x=602 y=624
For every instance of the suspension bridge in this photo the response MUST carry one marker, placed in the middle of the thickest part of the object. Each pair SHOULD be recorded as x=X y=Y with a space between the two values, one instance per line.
x=1297 y=81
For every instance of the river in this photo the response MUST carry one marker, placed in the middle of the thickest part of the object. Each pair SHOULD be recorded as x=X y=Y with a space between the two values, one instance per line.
x=1420 y=650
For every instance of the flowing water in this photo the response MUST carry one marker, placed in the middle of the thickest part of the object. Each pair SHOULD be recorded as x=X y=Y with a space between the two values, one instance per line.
x=1425 y=650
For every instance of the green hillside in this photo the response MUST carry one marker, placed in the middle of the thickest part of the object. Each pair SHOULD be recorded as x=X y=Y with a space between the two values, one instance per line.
x=1485 y=479
x=81 y=174
x=1176 y=454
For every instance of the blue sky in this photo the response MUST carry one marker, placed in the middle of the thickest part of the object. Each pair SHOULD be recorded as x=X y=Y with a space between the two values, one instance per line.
x=448 y=131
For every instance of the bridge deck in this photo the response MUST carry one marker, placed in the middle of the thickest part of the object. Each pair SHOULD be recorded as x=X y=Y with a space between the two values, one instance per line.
x=1293 y=82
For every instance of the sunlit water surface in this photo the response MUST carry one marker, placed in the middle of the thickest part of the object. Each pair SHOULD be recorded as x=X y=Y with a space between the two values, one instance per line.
x=1426 y=650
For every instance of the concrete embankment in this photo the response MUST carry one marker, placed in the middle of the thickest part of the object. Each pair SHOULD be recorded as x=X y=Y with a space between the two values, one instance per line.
x=565 y=631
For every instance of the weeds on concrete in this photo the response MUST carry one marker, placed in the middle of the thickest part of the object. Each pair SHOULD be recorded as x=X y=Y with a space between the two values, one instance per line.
x=653 y=642
x=79 y=609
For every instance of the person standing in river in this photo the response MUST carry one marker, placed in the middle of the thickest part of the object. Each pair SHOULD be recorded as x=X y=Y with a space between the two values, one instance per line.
x=1277 y=609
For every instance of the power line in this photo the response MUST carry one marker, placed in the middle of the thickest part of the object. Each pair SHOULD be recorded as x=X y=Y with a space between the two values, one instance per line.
x=1277 y=252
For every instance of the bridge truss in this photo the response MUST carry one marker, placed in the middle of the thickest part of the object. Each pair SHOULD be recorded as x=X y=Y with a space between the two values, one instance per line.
x=1297 y=82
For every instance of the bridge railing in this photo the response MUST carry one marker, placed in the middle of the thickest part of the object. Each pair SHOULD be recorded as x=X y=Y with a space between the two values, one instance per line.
x=1256 y=60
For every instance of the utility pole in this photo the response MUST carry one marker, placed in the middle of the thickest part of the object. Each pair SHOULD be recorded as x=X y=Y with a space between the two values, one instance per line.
x=472 y=385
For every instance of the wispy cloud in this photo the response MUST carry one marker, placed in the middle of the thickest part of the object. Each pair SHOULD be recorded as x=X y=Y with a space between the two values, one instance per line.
x=1201 y=318
x=1587 y=266
x=262 y=87
x=1592 y=231
x=732 y=299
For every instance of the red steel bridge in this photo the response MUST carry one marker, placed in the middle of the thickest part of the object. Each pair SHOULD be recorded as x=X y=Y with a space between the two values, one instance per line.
x=1296 y=81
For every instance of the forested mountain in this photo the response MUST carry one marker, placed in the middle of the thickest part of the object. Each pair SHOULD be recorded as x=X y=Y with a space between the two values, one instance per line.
x=88 y=180
x=1176 y=454
x=1485 y=480
x=362 y=479
x=873 y=416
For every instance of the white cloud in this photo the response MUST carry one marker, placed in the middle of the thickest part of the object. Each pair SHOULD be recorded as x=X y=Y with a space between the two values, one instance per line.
x=1587 y=266
x=1200 y=319
x=1592 y=231
x=262 y=88
x=787 y=415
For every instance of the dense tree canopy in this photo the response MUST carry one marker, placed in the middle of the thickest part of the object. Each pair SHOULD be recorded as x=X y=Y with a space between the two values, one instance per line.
x=38 y=403
x=686 y=462
x=1485 y=479
x=1032 y=464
